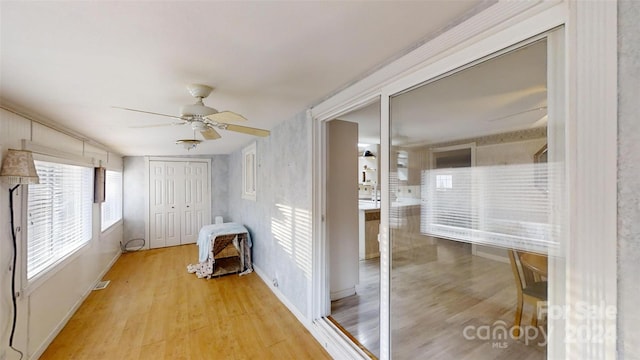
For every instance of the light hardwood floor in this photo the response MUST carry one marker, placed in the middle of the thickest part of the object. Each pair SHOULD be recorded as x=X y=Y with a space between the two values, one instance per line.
x=154 y=309
x=438 y=289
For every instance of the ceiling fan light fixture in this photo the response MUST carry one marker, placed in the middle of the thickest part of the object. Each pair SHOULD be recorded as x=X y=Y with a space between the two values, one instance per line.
x=188 y=144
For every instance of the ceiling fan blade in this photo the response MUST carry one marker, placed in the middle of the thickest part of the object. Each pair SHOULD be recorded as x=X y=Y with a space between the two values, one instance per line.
x=147 y=112
x=156 y=125
x=225 y=117
x=210 y=134
x=247 y=130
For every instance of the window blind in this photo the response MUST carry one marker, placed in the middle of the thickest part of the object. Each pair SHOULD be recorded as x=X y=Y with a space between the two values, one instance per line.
x=112 y=206
x=510 y=206
x=59 y=214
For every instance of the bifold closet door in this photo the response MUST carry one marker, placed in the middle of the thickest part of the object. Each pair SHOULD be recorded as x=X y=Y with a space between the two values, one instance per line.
x=165 y=203
x=195 y=207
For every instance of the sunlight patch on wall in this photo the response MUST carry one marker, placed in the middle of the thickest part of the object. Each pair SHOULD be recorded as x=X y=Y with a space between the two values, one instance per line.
x=282 y=228
x=302 y=241
x=292 y=231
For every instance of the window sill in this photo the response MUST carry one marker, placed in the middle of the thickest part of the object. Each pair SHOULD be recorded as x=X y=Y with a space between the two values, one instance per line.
x=53 y=269
x=106 y=232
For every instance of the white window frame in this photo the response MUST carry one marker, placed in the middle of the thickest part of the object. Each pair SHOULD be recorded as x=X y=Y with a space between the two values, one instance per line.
x=109 y=202
x=249 y=176
x=590 y=85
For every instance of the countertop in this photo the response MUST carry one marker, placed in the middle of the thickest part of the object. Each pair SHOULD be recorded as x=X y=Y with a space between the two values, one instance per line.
x=368 y=205
x=400 y=202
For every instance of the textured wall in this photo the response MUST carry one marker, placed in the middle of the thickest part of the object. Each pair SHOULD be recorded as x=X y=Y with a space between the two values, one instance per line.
x=219 y=186
x=628 y=179
x=280 y=219
x=134 y=198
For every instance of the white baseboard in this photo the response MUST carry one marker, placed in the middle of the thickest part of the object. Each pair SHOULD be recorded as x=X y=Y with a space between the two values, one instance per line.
x=371 y=255
x=335 y=342
x=265 y=278
x=74 y=308
x=336 y=295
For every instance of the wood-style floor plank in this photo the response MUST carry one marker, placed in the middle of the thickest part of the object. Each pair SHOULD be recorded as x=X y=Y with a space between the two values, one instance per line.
x=438 y=289
x=154 y=309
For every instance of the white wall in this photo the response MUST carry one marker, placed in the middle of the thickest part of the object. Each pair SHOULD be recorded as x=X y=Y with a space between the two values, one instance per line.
x=44 y=309
x=135 y=196
x=342 y=208
x=628 y=179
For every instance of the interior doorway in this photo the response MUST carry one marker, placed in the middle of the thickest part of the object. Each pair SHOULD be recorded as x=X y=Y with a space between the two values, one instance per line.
x=352 y=208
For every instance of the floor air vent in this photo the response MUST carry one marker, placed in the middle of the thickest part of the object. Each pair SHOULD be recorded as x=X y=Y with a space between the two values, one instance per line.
x=101 y=285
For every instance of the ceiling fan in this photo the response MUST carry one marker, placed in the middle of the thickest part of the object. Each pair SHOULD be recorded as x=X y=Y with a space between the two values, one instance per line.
x=204 y=119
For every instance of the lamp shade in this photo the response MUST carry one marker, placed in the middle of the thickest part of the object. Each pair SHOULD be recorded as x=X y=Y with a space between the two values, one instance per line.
x=18 y=168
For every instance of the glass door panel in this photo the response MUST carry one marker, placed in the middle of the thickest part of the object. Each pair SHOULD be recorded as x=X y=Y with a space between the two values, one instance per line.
x=474 y=210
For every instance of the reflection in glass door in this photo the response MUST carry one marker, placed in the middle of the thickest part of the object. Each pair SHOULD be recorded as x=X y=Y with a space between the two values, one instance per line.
x=473 y=211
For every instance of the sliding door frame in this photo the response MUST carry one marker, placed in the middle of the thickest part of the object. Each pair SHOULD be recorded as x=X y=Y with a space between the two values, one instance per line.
x=590 y=85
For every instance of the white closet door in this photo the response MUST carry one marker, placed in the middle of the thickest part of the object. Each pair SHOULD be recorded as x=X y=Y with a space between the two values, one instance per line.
x=195 y=209
x=164 y=215
x=156 y=205
x=174 y=199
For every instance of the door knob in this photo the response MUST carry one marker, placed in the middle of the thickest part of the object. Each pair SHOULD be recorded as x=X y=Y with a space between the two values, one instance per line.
x=187 y=205
x=173 y=207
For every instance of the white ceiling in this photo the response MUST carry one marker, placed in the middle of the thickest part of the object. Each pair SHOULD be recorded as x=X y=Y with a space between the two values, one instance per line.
x=71 y=62
x=502 y=94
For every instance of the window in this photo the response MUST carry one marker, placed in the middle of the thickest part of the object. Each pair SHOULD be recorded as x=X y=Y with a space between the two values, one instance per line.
x=112 y=206
x=59 y=214
x=249 y=172
x=444 y=182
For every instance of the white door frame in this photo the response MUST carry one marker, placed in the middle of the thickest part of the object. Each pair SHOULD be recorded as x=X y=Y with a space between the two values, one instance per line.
x=590 y=81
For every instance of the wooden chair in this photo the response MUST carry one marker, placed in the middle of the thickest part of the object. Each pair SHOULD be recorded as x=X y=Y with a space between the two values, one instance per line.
x=528 y=289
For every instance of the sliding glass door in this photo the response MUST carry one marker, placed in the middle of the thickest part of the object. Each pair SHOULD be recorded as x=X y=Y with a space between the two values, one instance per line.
x=474 y=210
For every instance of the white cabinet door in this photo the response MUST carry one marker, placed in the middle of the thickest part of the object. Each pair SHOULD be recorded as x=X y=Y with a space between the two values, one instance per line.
x=179 y=201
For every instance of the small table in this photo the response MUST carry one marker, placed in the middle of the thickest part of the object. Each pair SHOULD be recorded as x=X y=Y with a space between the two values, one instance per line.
x=212 y=242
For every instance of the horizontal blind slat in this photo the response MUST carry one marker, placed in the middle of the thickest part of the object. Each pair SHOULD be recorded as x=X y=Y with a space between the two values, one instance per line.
x=112 y=207
x=506 y=206
x=59 y=214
